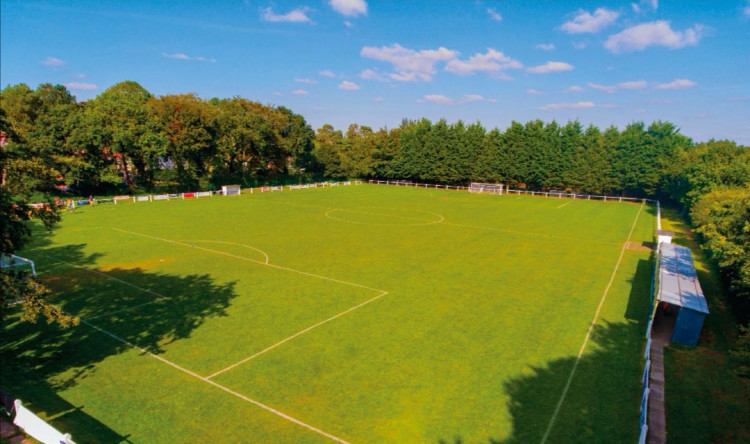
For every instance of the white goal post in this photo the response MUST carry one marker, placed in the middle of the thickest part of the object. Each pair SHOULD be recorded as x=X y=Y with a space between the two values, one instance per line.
x=17 y=261
x=230 y=190
x=491 y=188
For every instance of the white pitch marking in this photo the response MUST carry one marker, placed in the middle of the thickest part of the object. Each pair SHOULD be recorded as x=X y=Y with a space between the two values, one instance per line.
x=108 y=276
x=295 y=335
x=125 y=309
x=528 y=233
x=239 y=245
x=588 y=333
x=566 y=203
x=441 y=218
x=219 y=386
x=249 y=260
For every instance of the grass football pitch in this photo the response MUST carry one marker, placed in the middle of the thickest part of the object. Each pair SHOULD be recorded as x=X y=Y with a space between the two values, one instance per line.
x=358 y=314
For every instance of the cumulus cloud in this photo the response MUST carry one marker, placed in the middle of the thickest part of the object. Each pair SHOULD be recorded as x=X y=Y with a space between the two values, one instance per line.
x=306 y=81
x=349 y=86
x=468 y=98
x=436 y=98
x=577 y=105
x=637 y=7
x=545 y=46
x=298 y=15
x=492 y=61
x=550 y=67
x=606 y=88
x=181 y=56
x=81 y=86
x=410 y=65
x=326 y=73
x=574 y=88
x=677 y=84
x=585 y=22
x=635 y=84
x=494 y=15
x=300 y=92
x=349 y=8
x=658 y=33
x=370 y=74
x=533 y=92
x=53 y=62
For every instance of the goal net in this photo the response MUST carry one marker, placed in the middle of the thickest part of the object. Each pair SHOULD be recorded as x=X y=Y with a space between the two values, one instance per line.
x=491 y=188
x=14 y=261
x=230 y=190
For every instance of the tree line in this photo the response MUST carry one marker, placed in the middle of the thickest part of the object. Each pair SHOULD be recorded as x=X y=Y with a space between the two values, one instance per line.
x=128 y=139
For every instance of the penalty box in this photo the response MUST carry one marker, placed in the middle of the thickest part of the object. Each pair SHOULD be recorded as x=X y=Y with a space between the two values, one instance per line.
x=218 y=307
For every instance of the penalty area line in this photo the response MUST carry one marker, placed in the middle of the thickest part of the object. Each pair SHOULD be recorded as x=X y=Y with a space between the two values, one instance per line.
x=588 y=333
x=219 y=386
x=301 y=332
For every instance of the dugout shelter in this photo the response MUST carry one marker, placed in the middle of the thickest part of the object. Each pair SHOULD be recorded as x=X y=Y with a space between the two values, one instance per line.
x=680 y=290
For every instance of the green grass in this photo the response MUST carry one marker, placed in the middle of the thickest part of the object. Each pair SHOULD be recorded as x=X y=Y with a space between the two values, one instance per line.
x=467 y=313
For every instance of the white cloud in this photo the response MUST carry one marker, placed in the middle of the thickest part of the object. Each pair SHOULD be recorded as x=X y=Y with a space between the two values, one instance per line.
x=349 y=8
x=468 y=98
x=545 y=46
x=494 y=15
x=79 y=76
x=653 y=4
x=608 y=105
x=677 y=84
x=492 y=61
x=300 y=92
x=410 y=65
x=577 y=105
x=370 y=74
x=574 y=88
x=177 y=55
x=586 y=22
x=606 y=88
x=181 y=56
x=276 y=93
x=580 y=45
x=436 y=98
x=53 y=62
x=377 y=99
x=534 y=92
x=298 y=15
x=326 y=73
x=635 y=84
x=746 y=11
x=306 y=81
x=658 y=33
x=550 y=67
x=81 y=86
x=349 y=86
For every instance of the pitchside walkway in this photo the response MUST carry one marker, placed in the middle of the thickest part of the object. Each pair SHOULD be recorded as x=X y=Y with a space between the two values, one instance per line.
x=657 y=423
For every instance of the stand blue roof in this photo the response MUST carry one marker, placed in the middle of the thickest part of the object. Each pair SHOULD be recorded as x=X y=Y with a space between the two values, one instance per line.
x=678 y=281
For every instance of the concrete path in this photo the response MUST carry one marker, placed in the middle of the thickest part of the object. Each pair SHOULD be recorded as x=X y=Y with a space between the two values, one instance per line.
x=11 y=433
x=657 y=421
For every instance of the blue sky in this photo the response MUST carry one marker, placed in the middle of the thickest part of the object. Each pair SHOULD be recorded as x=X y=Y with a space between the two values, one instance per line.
x=375 y=63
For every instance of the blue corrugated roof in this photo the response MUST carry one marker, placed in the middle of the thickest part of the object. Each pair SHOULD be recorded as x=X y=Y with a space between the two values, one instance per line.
x=678 y=281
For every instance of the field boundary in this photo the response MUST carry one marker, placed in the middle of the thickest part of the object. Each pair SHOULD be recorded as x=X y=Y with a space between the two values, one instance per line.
x=588 y=332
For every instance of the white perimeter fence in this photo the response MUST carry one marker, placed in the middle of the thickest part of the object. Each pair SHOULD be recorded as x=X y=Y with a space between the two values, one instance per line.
x=517 y=192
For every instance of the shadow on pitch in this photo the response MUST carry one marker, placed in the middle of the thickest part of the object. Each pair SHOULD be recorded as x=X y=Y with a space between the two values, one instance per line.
x=40 y=360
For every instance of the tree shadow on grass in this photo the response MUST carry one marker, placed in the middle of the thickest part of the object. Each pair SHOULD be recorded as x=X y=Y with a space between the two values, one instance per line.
x=603 y=401
x=40 y=360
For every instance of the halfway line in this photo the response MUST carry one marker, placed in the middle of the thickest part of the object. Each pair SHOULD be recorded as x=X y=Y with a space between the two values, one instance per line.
x=588 y=333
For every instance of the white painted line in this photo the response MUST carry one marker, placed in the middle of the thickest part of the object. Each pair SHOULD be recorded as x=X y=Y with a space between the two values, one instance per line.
x=107 y=276
x=565 y=204
x=528 y=233
x=233 y=243
x=295 y=335
x=135 y=307
x=588 y=333
x=206 y=380
x=440 y=219
x=249 y=260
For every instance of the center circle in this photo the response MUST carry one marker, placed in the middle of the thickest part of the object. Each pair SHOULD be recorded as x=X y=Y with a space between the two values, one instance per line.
x=396 y=217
